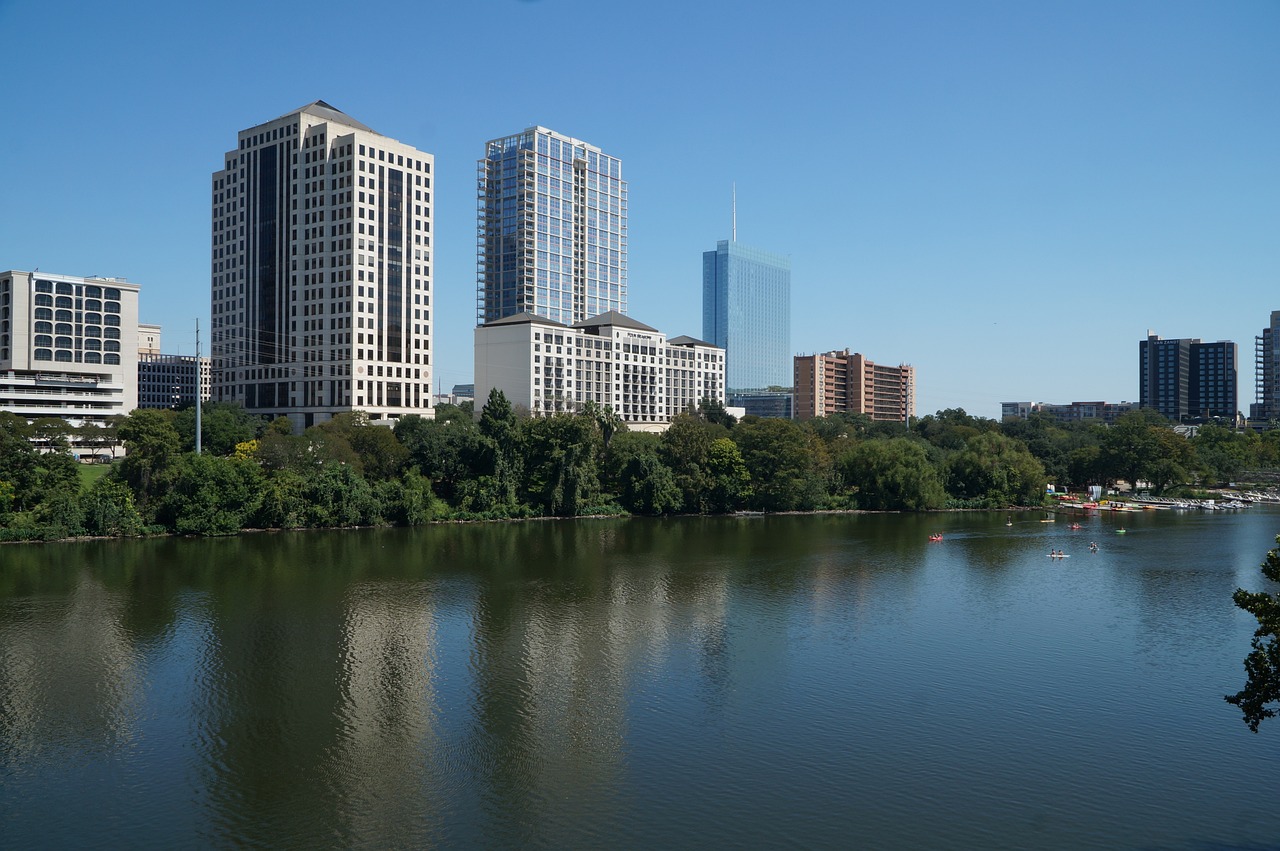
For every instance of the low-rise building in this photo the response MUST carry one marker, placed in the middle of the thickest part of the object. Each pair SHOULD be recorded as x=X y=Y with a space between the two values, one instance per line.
x=173 y=381
x=68 y=346
x=1102 y=412
x=774 y=404
x=548 y=367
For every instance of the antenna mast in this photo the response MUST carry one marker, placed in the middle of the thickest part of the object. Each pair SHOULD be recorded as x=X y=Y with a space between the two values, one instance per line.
x=735 y=211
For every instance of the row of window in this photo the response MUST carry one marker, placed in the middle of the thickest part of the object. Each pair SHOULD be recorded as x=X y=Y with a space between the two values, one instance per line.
x=64 y=356
x=84 y=290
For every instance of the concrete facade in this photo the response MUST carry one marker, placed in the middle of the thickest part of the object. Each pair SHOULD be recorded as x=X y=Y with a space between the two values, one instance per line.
x=547 y=367
x=68 y=346
x=321 y=271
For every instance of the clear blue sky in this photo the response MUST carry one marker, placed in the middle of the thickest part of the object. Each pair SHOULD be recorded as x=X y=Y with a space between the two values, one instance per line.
x=1006 y=195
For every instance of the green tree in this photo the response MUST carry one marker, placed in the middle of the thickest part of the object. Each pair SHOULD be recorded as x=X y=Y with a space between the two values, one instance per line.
x=18 y=460
x=152 y=445
x=713 y=411
x=562 y=472
x=996 y=469
x=335 y=495
x=892 y=475
x=1261 y=693
x=502 y=455
x=210 y=495
x=952 y=428
x=448 y=452
x=222 y=426
x=1131 y=447
x=1222 y=453
x=108 y=509
x=785 y=467
x=685 y=449
x=729 y=483
x=648 y=486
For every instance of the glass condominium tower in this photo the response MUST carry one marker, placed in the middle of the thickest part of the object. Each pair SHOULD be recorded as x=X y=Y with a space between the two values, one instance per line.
x=746 y=310
x=552 y=229
x=321 y=271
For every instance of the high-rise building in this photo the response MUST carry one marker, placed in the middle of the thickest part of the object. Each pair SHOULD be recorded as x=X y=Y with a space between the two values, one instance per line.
x=321 y=270
x=552 y=229
x=844 y=382
x=1266 y=372
x=746 y=310
x=1187 y=379
x=68 y=346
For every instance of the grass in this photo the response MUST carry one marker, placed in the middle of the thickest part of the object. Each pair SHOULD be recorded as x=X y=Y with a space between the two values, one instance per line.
x=90 y=473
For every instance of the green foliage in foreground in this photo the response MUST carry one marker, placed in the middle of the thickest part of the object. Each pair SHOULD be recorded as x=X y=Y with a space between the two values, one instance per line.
x=1260 y=696
x=351 y=472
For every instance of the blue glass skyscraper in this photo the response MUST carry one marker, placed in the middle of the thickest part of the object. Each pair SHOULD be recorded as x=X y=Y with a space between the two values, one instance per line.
x=746 y=310
x=552 y=230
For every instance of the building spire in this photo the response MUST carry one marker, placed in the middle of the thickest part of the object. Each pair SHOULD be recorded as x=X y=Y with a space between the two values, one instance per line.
x=735 y=211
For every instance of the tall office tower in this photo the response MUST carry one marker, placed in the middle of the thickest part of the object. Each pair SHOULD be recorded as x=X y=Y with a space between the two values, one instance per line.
x=552 y=229
x=844 y=382
x=321 y=271
x=1186 y=378
x=1266 y=372
x=746 y=310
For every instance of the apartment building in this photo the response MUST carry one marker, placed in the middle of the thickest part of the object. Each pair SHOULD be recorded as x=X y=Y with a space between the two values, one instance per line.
x=845 y=382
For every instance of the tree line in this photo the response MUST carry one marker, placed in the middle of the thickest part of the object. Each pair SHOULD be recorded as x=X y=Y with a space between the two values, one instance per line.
x=350 y=472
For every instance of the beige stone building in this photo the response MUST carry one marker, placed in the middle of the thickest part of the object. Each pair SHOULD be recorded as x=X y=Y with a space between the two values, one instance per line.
x=321 y=270
x=68 y=346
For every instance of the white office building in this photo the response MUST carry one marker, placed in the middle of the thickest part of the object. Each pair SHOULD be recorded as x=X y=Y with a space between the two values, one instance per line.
x=549 y=367
x=321 y=270
x=68 y=346
x=62 y=346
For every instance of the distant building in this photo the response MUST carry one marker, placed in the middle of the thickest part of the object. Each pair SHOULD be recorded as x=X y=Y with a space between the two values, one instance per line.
x=844 y=382
x=1187 y=379
x=1100 y=412
x=552 y=229
x=458 y=394
x=148 y=339
x=774 y=404
x=746 y=310
x=548 y=367
x=321 y=270
x=1266 y=372
x=68 y=346
x=173 y=381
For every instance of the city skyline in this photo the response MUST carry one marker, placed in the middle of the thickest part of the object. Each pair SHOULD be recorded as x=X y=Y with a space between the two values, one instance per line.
x=1003 y=197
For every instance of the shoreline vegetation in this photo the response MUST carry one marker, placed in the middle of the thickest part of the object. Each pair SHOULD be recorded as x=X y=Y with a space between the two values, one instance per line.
x=502 y=465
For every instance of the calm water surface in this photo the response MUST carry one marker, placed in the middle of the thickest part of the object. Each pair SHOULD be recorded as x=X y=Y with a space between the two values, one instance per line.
x=826 y=682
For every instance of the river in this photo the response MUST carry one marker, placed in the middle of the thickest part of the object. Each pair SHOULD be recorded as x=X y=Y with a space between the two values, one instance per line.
x=826 y=681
